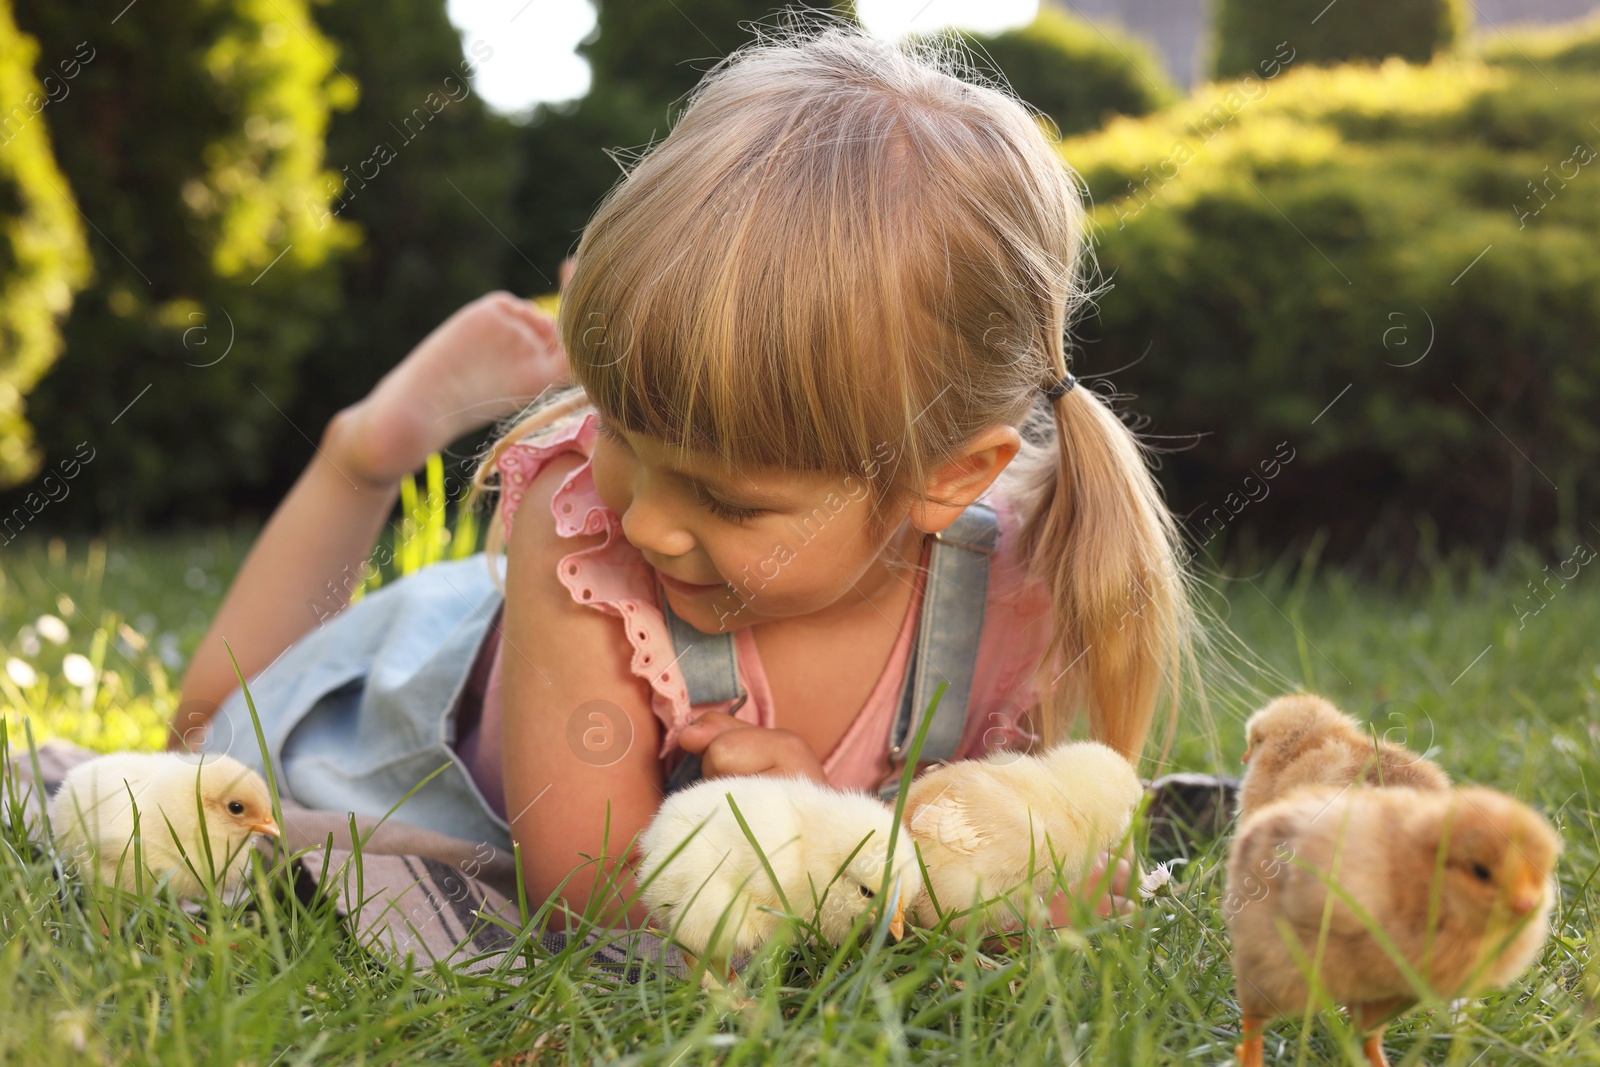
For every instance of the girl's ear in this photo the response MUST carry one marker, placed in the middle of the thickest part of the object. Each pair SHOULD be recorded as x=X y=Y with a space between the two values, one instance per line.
x=963 y=479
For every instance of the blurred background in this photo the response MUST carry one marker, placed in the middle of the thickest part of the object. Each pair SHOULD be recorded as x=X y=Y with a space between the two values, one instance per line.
x=1352 y=281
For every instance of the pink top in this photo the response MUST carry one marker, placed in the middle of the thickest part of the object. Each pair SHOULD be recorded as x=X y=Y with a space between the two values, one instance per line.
x=614 y=578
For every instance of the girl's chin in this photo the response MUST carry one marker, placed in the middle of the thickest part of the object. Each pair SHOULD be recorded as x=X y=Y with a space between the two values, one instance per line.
x=717 y=610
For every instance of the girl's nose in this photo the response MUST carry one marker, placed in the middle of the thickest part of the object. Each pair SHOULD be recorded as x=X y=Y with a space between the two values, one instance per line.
x=651 y=526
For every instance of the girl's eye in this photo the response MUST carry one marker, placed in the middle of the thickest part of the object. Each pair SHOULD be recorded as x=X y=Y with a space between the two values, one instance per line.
x=724 y=511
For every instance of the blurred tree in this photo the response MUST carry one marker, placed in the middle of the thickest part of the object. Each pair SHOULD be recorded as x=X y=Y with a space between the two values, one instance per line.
x=1248 y=32
x=643 y=55
x=43 y=260
x=1076 y=73
x=425 y=170
x=193 y=140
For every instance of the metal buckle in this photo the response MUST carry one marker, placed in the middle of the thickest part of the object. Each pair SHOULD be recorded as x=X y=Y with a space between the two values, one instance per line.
x=987 y=550
x=897 y=768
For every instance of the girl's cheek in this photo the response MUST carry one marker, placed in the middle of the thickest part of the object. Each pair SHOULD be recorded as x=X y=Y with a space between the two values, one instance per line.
x=608 y=485
x=767 y=561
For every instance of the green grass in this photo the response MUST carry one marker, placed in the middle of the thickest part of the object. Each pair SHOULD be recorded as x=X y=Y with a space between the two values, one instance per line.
x=1443 y=661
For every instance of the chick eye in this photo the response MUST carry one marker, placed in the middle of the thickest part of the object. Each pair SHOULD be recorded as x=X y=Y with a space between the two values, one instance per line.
x=869 y=894
x=1480 y=872
x=235 y=807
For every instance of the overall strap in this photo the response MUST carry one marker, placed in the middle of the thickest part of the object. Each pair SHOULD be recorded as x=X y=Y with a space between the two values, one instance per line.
x=710 y=667
x=946 y=648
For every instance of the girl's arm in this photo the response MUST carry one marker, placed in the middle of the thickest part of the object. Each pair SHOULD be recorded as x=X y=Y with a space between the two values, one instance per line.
x=304 y=566
x=482 y=362
x=578 y=732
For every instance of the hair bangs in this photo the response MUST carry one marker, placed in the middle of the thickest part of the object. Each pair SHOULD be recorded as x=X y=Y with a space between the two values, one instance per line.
x=776 y=312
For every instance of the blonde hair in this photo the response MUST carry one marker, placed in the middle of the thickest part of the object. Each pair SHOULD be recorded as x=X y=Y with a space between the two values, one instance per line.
x=844 y=244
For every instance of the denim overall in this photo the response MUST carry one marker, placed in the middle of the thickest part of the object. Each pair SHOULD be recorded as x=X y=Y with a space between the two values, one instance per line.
x=359 y=711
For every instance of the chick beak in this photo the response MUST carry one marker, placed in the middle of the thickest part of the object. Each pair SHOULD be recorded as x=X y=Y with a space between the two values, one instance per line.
x=897 y=921
x=1246 y=757
x=269 y=827
x=1526 y=893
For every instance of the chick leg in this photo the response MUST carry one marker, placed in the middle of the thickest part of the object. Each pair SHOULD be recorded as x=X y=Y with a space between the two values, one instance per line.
x=1249 y=1048
x=723 y=984
x=712 y=978
x=708 y=979
x=1372 y=1044
x=711 y=981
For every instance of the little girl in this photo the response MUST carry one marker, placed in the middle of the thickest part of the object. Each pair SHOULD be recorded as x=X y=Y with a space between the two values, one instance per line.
x=816 y=341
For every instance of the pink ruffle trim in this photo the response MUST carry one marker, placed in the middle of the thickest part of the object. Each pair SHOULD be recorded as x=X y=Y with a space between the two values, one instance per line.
x=611 y=577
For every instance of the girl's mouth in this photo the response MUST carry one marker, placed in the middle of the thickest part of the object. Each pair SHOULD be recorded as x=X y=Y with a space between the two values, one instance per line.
x=686 y=588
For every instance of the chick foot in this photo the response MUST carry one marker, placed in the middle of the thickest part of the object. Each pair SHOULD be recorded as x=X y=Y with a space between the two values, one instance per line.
x=709 y=979
x=1370 y=1019
x=721 y=981
x=1249 y=1047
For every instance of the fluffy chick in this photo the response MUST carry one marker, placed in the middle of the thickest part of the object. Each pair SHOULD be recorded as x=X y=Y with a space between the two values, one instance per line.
x=92 y=818
x=809 y=833
x=976 y=821
x=1304 y=740
x=1494 y=889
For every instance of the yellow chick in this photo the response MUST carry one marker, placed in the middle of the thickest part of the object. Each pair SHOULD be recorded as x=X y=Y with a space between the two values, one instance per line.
x=810 y=833
x=92 y=818
x=1304 y=740
x=1490 y=895
x=971 y=820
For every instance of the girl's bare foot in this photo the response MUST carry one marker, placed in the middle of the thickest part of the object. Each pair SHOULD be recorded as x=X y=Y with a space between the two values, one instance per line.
x=484 y=362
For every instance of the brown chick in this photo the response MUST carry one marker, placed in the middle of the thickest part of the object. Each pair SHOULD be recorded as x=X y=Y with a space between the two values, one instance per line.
x=1494 y=888
x=1304 y=740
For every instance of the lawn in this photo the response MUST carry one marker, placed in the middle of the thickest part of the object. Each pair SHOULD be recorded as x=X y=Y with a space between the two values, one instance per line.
x=1455 y=661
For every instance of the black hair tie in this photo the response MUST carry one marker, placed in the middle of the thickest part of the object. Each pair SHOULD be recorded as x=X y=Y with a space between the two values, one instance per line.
x=1059 y=389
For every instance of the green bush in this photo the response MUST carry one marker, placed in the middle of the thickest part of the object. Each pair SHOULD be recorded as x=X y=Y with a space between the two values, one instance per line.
x=1381 y=284
x=192 y=141
x=1247 y=32
x=1077 y=73
x=42 y=256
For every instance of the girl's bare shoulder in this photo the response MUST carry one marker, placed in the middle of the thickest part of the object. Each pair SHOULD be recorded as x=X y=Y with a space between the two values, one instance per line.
x=534 y=524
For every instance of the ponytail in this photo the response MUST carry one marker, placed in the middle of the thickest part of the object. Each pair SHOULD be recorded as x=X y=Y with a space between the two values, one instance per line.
x=1099 y=537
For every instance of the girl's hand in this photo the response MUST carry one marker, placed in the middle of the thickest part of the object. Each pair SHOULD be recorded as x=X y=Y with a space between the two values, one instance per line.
x=1102 y=899
x=730 y=746
x=1105 y=899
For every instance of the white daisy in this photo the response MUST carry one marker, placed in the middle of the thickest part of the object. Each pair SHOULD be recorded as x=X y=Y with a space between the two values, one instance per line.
x=51 y=629
x=21 y=673
x=1158 y=880
x=77 y=670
